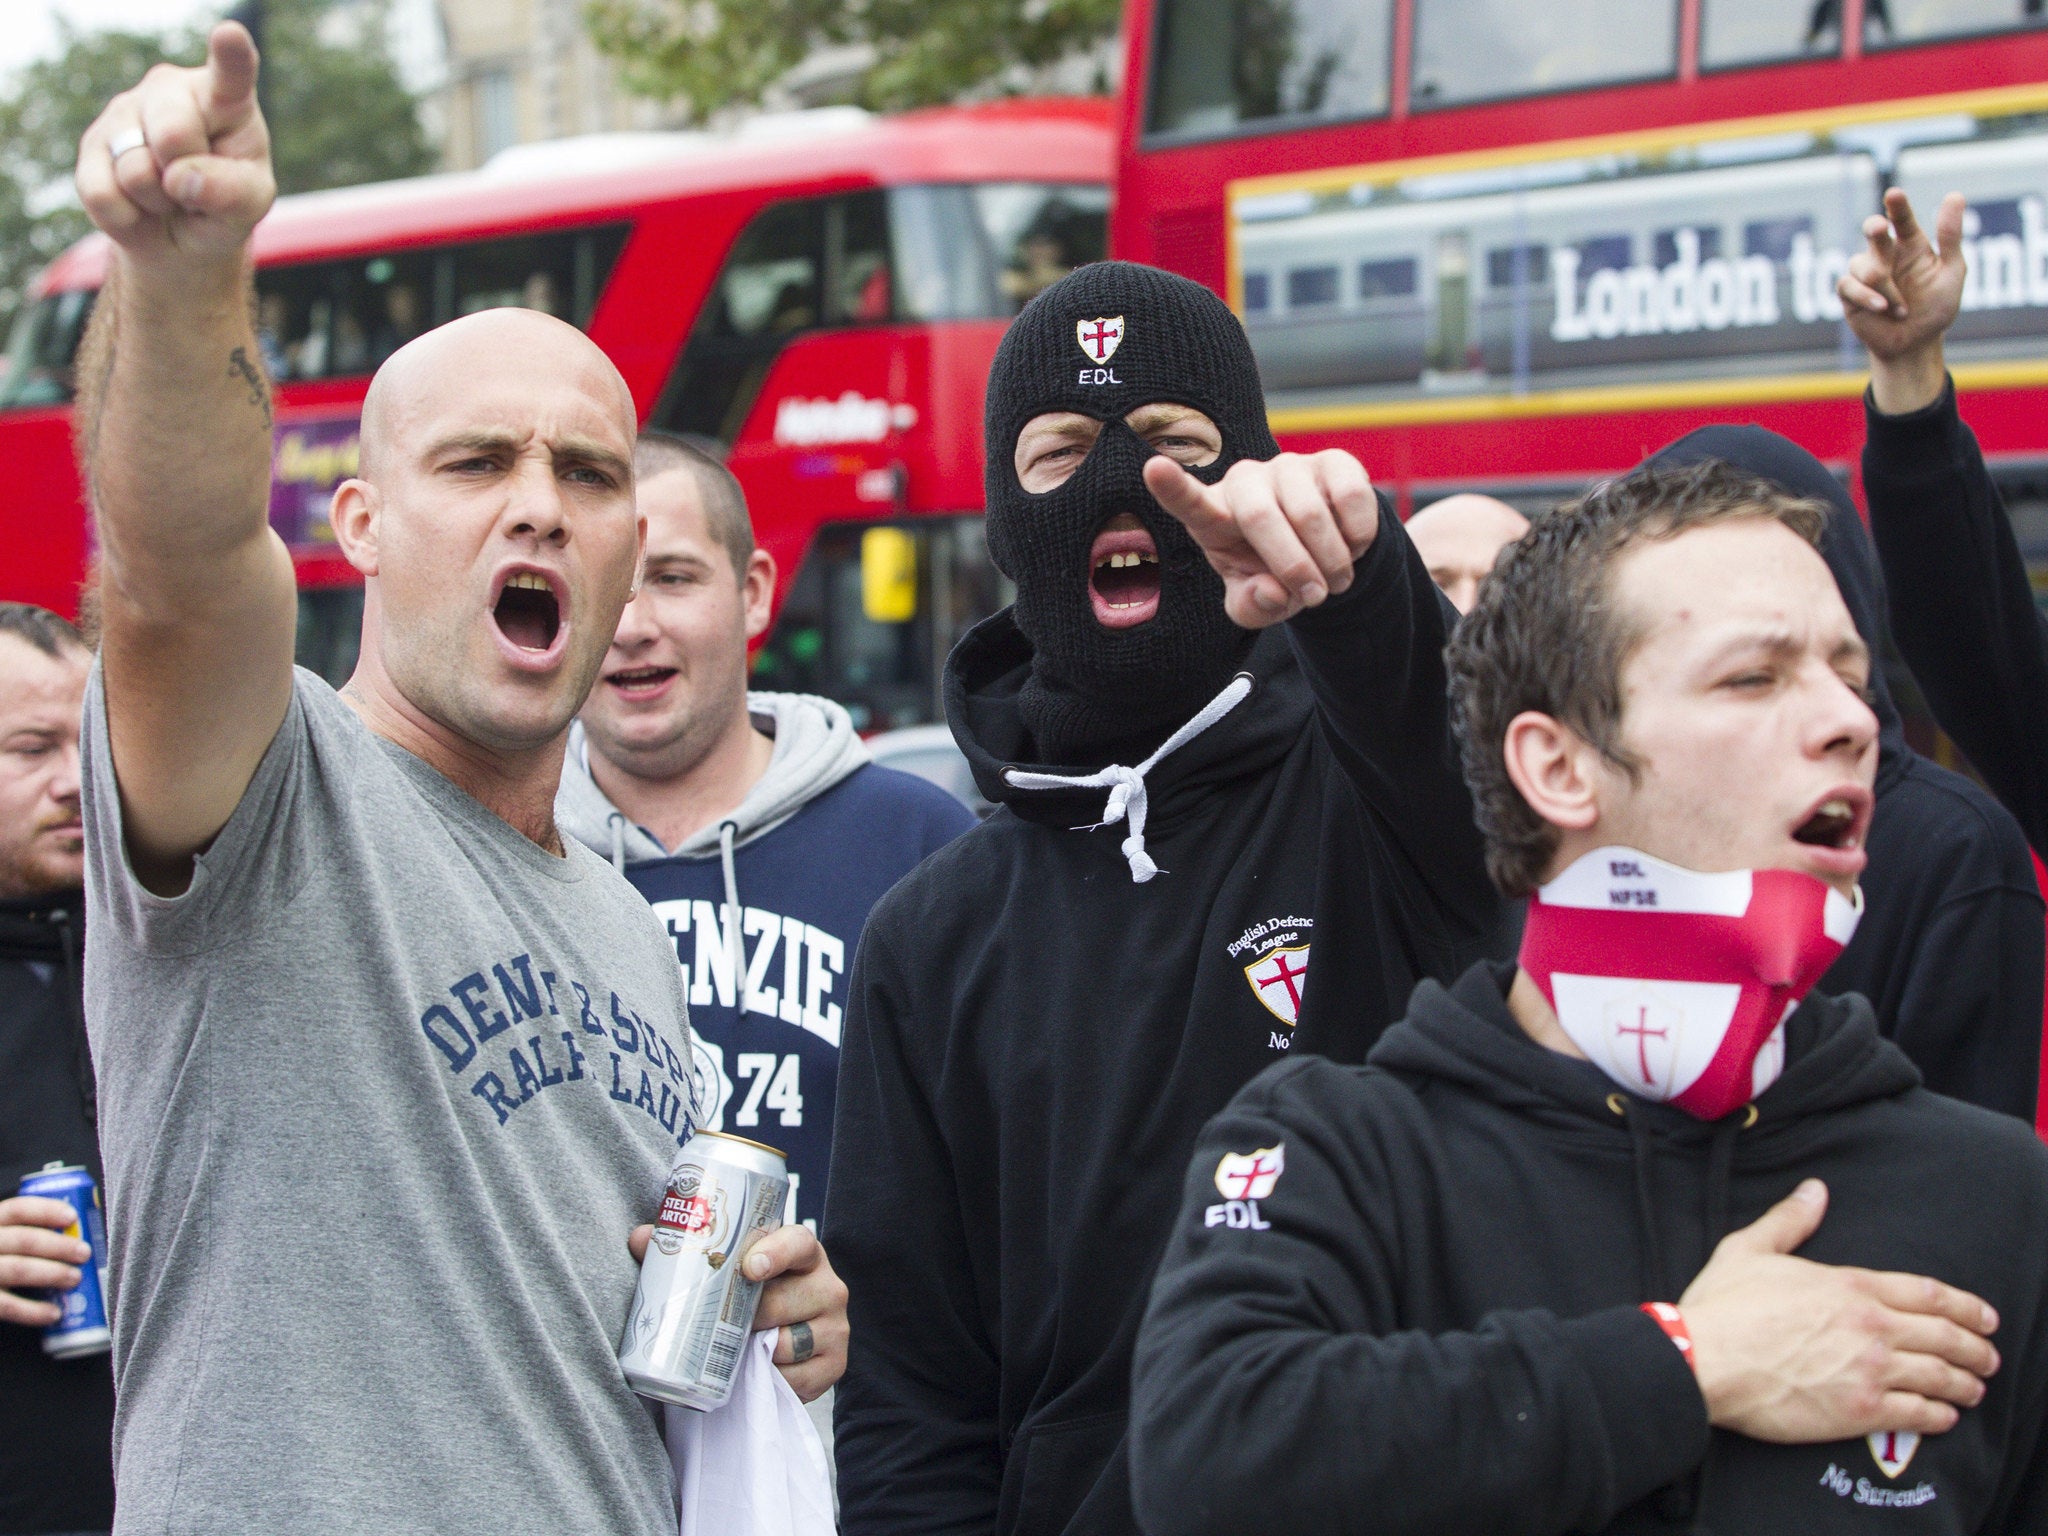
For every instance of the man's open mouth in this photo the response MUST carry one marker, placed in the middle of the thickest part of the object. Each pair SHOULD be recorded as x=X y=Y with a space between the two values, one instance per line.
x=528 y=612
x=1123 y=574
x=1836 y=822
x=638 y=682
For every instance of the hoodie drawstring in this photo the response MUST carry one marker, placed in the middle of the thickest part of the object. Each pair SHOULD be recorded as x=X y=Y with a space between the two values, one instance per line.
x=735 y=945
x=617 y=822
x=1680 y=1501
x=1655 y=1281
x=1128 y=798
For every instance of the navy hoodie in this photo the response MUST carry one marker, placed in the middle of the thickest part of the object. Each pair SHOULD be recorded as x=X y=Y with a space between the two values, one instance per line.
x=1950 y=949
x=811 y=848
x=1427 y=1324
x=56 y=1416
x=1966 y=615
x=1035 y=1039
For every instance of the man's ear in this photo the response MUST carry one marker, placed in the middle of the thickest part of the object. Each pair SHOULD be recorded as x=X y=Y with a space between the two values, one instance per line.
x=354 y=517
x=1554 y=770
x=758 y=591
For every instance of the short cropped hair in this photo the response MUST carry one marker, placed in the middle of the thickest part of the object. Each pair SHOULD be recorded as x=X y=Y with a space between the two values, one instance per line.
x=1547 y=634
x=48 y=632
x=725 y=504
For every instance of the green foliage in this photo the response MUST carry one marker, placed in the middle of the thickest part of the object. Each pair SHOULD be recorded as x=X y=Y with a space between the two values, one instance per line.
x=338 y=115
x=708 y=54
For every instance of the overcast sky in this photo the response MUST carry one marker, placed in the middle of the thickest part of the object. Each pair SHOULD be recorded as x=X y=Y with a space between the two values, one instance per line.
x=31 y=26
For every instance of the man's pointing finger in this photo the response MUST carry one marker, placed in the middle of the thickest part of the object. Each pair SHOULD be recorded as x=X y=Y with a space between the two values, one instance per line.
x=1196 y=505
x=231 y=62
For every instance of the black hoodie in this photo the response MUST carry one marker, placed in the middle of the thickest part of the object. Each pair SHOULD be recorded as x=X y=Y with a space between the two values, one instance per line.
x=1429 y=1324
x=1950 y=950
x=1962 y=607
x=56 y=1416
x=1033 y=1040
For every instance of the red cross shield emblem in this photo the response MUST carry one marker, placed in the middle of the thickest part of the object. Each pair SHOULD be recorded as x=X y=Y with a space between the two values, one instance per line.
x=1892 y=1449
x=1277 y=978
x=1099 y=338
x=1251 y=1175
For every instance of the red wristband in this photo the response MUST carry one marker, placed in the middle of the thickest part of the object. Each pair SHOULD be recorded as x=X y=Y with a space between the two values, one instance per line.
x=1672 y=1321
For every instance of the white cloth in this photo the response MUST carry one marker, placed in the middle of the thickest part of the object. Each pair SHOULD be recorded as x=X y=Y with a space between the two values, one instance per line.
x=753 y=1467
x=1129 y=800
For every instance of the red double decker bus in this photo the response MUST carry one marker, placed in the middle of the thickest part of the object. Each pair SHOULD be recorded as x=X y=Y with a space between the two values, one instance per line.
x=1493 y=246
x=821 y=294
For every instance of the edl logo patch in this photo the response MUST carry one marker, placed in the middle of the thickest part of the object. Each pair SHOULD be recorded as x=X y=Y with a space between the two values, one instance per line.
x=1277 y=978
x=1251 y=1176
x=1100 y=338
x=1893 y=1449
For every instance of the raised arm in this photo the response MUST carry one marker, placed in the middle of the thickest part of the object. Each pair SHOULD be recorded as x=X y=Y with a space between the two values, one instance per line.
x=197 y=596
x=1306 y=539
x=1962 y=607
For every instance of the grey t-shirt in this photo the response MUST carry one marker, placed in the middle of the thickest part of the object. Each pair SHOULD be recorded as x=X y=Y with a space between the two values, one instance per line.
x=381 y=1095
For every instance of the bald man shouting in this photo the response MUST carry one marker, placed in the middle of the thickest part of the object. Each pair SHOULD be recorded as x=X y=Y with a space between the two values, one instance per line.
x=387 y=1069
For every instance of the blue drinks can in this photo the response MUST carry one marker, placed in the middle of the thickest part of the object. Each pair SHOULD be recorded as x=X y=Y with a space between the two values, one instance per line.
x=82 y=1330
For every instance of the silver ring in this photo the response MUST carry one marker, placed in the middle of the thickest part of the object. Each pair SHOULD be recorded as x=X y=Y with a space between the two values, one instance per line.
x=120 y=143
x=801 y=1345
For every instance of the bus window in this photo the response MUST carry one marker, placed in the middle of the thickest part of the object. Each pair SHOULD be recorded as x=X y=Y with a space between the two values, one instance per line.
x=865 y=258
x=1502 y=270
x=1664 y=244
x=1258 y=292
x=1224 y=63
x=984 y=252
x=1038 y=234
x=39 y=354
x=340 y=319
x=557 y=274
x=1308 y=287
x=1734 y=32
x=1389 y=279
x=1918 y=21
x=825 y=642
x=772 y=287
x=1480 y=50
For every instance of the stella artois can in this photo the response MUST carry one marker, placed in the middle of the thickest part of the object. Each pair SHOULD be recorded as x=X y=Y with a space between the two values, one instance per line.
x=694 y=1310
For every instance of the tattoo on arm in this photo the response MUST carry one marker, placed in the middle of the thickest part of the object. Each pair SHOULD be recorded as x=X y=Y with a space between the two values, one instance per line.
x=249 y=373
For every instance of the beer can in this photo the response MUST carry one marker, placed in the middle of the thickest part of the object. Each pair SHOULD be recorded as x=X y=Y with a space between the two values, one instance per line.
x=82 y=1330
x=694 y=1310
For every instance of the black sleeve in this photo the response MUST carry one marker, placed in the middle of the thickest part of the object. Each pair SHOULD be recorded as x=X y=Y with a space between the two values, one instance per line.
x=1962 y=608
x=1276 y=1388
x=1374 y=656
x=1970 y=1013
x=915 y=1417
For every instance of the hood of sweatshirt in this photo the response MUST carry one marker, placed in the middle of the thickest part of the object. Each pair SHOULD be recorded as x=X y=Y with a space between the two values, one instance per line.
x=815 y=747
x=1845 y=545
x=987 y=671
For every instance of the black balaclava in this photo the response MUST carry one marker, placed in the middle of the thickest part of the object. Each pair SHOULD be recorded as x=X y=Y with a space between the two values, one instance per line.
x=1092 y=689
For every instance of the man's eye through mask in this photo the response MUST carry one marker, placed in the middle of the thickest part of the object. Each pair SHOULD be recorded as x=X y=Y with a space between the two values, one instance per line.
x=1053 y=444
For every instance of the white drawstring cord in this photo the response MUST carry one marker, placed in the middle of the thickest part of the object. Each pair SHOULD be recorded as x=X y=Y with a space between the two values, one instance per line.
x=1128 y=798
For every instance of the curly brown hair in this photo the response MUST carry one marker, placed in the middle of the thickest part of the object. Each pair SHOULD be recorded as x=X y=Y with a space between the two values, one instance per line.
x=1547 y=634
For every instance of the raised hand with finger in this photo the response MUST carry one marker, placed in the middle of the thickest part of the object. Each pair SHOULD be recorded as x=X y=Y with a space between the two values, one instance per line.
x=1283 y=533
x=176 y=170
x=1901 y=292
